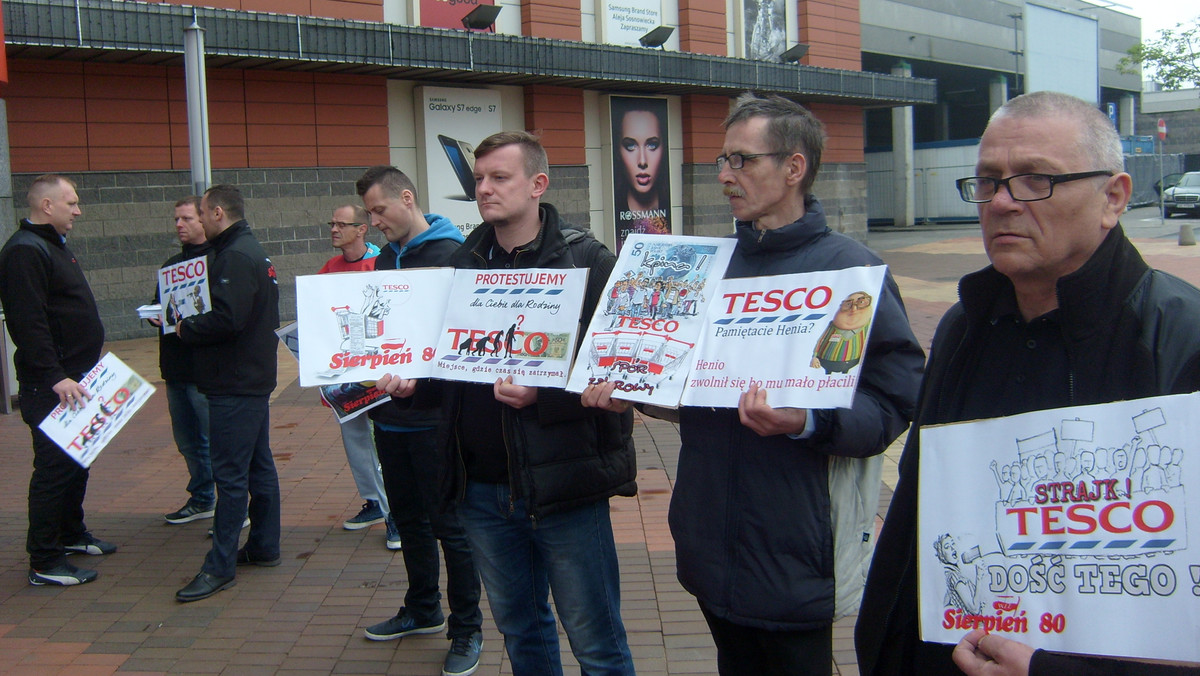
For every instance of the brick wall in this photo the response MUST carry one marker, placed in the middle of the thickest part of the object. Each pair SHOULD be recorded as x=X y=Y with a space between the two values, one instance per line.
x=568 y=192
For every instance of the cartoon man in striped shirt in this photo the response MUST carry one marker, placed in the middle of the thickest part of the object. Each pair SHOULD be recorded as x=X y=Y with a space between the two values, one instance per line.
x=840 y=348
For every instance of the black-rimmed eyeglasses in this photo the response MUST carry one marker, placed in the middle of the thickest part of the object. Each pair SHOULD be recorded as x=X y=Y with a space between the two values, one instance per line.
x=738 y=160
x=1022 y=187
x=342 y=224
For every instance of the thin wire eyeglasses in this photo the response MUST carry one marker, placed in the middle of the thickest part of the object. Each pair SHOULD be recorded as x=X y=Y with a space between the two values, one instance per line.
x=738 y=160
x=1021 y=187
x=342 y=224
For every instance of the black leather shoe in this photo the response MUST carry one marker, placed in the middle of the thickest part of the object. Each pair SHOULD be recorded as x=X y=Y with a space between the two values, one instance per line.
x=203 y=586
x=245 y=558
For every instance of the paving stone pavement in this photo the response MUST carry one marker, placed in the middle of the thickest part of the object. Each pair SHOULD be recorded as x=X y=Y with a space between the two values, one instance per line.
x=307 y=615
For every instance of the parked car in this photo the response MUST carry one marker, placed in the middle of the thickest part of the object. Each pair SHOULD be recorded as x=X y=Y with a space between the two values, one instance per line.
x=1184 y=196
x=1168 y=181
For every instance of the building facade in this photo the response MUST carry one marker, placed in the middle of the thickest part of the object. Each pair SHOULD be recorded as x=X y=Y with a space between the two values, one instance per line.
x=303 y=94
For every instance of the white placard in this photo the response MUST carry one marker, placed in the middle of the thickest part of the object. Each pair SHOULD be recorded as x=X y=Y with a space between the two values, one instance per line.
x=355 y=326
x=117 y=393
x=520 y=323
x=644 y=330
x=800 y=336
x=183 y=291
x=1093 y=548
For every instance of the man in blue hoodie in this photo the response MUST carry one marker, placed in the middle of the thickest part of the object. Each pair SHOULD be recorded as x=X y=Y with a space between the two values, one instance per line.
x=406 y=441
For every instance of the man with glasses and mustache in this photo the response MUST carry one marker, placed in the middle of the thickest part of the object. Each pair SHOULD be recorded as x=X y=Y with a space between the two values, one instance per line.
x=348 y=233
x=1074 y=316
x=773 y=512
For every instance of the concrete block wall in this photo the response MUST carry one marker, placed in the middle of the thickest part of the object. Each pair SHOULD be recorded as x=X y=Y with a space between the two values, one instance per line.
x=127 y=229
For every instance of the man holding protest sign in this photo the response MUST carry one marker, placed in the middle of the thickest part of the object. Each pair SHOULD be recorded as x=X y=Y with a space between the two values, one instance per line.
x=1074 y=315
x=348 y=234
x=187 y=406
x=55 y=325
x=773 y=508
x=235 y=348
x=407 y=441
x=530 y=469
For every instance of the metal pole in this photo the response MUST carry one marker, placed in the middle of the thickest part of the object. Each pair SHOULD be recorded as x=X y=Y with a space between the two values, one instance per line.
x=197 y=107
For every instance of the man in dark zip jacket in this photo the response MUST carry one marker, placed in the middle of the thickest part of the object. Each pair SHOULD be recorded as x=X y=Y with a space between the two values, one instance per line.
x=235 y=348
x=187 y=406
x=1072 y=315
x=53 y=320
x=407 y=444
x=773 y=512
x=531 y=469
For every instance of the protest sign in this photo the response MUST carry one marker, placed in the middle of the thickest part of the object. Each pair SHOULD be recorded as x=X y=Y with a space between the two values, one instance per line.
x=117 y=393
x=519 y=323
x=1047 y=527
x=350 y=400
x=644 y=330
x=356 y=326
x=183 y=291
x=800 y=336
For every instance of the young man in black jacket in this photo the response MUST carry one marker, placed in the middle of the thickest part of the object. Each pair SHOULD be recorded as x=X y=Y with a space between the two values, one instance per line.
x=530 y=469
x=54 y=323
x=235 y=349
x=407 y=444
x=187 y=406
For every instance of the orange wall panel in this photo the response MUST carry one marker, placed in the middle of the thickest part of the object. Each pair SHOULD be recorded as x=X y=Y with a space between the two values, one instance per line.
x=345 y=9
x=351 y=156
x=843 y=127
x=832 y=29
x=703 y=135
x=106 y=117
x=702 y=27
x=556 y=115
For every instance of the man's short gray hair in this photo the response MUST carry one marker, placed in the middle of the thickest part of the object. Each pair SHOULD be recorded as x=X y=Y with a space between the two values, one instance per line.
x=791 y=128
x=1098 y=137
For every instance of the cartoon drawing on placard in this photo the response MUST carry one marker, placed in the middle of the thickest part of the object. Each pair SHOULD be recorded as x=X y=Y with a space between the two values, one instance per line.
x=356 y=328
x=840 y=347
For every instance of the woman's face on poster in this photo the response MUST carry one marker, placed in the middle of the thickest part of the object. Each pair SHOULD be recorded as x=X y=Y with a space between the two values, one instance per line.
x=641 y=149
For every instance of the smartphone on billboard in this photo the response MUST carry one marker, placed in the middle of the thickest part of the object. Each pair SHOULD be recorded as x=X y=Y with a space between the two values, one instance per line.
x=462 y=158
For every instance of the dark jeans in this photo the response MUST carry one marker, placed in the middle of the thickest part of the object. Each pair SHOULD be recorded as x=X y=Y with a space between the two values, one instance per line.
x=240 y=449
x=189 y=425
x=56 y=488
x=749 y=651
x=410 y=476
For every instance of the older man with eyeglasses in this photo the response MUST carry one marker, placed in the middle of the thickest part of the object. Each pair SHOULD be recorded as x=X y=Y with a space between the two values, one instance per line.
x=1067 y=314
x=348 y=233
x=773 y=508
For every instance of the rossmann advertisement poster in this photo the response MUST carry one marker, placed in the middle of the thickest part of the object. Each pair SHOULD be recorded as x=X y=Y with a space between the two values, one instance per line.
x=183 y=291
x=454 y=121
x=641 y=170
x=1070 y=529
x=117 y=393
x=802 y=337
x=651 y=314
x=519 y=323
x=355 y=326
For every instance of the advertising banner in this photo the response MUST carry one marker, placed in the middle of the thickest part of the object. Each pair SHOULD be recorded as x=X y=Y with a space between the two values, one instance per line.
x=766 y=29
x=627 y=20
x=355 y=326
x=454 y=121
x=519 y=323
x=641 y=170
x=183 y=291
x=650 y=316
x=117 y=393
x=448 y=13
x=800 y=336
x=1069 y=529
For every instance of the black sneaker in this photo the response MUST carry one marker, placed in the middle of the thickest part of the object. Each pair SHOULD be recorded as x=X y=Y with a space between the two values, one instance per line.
x=370 y=514
x=463 y=658
x=401 y=625
x=393 y=535
x=190 y=512
x=91 y=545
x=62 y=575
